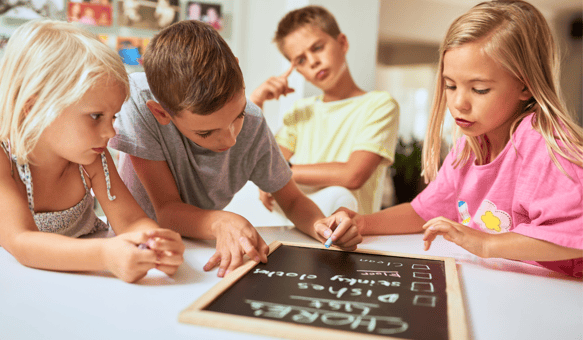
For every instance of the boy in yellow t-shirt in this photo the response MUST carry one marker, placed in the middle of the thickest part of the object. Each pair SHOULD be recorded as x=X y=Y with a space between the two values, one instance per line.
x=344 y=137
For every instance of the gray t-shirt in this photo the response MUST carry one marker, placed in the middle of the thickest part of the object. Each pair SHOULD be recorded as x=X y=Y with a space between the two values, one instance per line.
x=204 y=178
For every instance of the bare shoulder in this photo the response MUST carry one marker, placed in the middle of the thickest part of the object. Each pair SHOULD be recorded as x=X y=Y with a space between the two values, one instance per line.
x=6 y=167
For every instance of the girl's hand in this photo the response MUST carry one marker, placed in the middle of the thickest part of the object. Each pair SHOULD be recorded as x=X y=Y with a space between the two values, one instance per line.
x=344 y=228
x=468 y=238
x=124 y=259
x=236 y=237
x=169 y=249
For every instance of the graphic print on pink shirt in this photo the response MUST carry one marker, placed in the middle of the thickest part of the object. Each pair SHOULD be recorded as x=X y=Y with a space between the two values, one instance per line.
x=492 y=220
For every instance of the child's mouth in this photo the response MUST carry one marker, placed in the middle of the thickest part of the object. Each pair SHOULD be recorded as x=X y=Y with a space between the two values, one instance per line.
x=463 y=123
x=321 y=75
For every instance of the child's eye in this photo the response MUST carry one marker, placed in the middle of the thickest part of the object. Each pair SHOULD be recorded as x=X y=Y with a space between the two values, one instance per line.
x=241 y=115
x=484 y=91
x=95 y=116
x=449 y=87
x=319 y=47
x=300 y=61
x=204 y=134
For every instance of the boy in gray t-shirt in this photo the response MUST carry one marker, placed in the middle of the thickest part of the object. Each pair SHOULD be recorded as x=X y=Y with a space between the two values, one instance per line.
x=193 y=140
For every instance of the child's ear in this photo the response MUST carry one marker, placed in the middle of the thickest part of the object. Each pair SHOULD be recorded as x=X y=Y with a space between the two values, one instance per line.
x=343 y=41
x=525 y=94
x=159 y=113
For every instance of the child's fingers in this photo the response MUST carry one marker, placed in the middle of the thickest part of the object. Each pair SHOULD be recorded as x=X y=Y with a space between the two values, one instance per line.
x=212 y=262
x=168 y=270
x=165 y=245
x=343 y=224
x=236 y=262
x=225 y=261
x=251 y=251
x=169 y=258
x=288 y=71
x=350 y=238
x=164 y=233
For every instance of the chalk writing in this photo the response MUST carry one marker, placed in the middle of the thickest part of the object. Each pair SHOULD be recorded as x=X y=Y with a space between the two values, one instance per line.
x=354 y=292
x=422 y=287
x=352 y=281
x=335 y=305
x=419 y=275
x=370 y=323
x=379 y=272
x=420 y=266
x=389 y=298
x=394 y=264
x=280 y=273
x=424 y=300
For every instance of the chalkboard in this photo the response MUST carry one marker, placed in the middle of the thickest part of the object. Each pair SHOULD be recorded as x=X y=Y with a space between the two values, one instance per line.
x=310 y=292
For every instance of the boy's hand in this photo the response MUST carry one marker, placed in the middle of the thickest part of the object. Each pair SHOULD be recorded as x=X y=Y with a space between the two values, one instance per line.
x=236 y=237
x=272 y=88
x=343 y=227
x=168 y=247
x=468 y=238
x=267 y=199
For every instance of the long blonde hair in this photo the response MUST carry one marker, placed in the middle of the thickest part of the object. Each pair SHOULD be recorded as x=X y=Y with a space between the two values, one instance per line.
x=517 y=37
x=48 y=66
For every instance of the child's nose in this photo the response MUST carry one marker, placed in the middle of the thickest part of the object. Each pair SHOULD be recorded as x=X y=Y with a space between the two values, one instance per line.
x=108 y=131
x=461 y=102
x=313 y=60
x=230 y=137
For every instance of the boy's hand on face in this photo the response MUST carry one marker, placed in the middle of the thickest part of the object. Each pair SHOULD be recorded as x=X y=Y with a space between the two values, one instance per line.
x=236 y=237
x=267 y=199
x=272 y=88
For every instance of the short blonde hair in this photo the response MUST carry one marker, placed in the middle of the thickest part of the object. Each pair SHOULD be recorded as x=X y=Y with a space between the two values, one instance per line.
x=315 y=16
x=516 y=36
x=189 y=66
x=47 y=66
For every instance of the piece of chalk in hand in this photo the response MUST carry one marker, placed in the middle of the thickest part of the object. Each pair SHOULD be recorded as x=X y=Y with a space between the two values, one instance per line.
x=143 y=246
x=328 y=242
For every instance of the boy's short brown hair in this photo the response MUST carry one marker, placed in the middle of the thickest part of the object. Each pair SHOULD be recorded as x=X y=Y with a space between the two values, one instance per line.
x=189 y=66
x=316 y=16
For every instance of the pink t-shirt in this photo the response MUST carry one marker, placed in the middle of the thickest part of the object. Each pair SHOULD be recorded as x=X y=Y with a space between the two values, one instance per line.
x=521 y=191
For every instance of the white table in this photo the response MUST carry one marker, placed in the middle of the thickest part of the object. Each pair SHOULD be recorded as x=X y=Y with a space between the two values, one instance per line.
x=504 y=299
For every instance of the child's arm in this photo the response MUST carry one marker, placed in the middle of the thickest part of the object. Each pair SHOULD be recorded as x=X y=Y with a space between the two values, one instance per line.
x=351 y=174
x=125 y=215
x=399 y=219
x=509 y=245
x=272 y=88
x=304 y=214
x=234 y=234
x=21 y=238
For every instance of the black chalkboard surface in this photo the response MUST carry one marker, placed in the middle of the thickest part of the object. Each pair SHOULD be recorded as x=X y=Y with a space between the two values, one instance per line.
x=307 y=292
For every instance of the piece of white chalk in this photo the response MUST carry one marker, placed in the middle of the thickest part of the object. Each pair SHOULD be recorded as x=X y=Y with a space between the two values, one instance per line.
x=329 y=241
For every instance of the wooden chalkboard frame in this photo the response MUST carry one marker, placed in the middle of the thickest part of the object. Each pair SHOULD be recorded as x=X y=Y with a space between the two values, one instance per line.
x=197 y=315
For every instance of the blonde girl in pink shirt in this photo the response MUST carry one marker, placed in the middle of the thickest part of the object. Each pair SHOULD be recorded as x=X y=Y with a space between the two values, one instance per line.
x=511 y=187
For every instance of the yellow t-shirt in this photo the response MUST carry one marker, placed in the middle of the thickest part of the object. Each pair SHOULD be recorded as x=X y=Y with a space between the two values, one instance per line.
x=318 y=132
